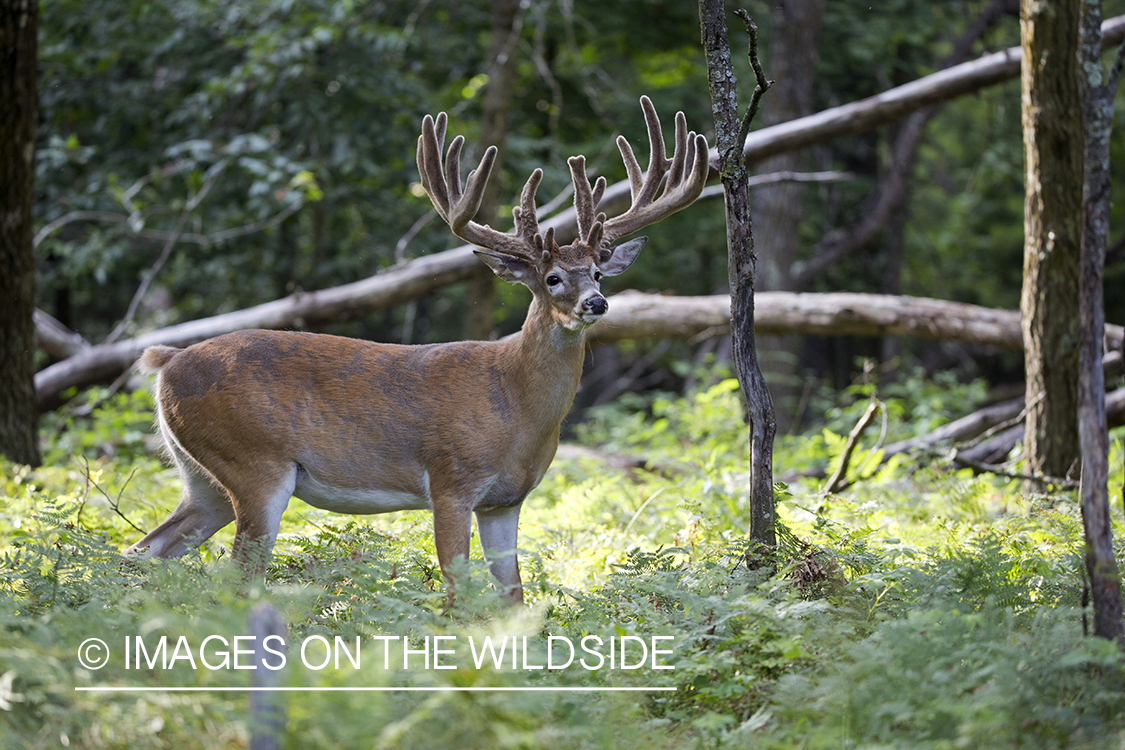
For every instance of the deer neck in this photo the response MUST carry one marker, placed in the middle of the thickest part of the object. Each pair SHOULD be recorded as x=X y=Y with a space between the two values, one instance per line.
x=548 y=363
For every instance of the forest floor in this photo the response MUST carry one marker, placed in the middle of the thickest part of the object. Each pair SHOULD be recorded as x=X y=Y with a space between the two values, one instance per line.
x=921 y=607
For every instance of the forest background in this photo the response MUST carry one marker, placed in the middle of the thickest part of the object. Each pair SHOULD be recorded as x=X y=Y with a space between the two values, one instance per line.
x=219 y=156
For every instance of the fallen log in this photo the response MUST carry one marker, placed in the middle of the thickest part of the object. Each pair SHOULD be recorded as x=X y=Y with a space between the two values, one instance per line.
x=995 y=450
x=632 y=315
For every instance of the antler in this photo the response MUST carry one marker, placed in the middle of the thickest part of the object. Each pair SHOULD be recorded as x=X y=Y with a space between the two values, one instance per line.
x=459 y=205
x=686 y=174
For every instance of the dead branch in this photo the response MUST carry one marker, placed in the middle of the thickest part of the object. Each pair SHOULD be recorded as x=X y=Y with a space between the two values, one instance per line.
x=55 y=338
x=995 y=449
x=772 y=178
x=836 y=481
x=1002 y=470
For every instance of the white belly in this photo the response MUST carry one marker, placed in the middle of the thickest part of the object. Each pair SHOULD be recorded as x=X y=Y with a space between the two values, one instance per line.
x=355 y=501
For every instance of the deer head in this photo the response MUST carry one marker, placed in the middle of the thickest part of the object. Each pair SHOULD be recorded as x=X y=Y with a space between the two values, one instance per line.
x=565 y=280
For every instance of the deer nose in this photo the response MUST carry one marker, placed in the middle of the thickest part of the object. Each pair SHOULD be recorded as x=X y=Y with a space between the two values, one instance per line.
x=596 y=305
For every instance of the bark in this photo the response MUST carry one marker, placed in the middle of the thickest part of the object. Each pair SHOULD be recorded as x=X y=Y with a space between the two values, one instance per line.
x=18 y=76
x=1101 y=567
x=730 y=134
x=1053 y=162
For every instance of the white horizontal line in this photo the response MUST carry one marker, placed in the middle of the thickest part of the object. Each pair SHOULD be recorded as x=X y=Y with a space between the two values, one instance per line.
x=124 y=689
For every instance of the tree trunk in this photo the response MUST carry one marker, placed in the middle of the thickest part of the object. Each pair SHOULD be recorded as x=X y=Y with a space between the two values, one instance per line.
x=1105 y=580
x=730 y=134
x=1053 y=159
x=507 y=21
x=18 y=49
x=794 y=28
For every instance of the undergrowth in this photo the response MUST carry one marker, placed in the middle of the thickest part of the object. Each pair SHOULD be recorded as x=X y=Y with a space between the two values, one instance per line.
x=922 y=607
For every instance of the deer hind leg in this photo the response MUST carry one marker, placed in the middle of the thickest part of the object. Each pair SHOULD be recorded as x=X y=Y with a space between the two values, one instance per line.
x=498 y=529
x=204 y=509
x=260 y=498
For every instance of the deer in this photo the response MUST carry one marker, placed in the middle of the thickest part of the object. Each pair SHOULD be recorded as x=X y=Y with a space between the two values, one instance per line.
x=253 y=418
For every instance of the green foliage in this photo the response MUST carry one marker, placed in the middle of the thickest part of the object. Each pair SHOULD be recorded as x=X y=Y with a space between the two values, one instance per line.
x=99 y=423
x=919 y=608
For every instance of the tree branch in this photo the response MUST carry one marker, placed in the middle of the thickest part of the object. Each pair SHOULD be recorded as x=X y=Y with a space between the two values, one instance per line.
x=762 y=85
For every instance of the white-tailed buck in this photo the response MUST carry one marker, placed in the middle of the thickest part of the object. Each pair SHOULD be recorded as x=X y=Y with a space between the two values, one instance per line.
x=255 y=417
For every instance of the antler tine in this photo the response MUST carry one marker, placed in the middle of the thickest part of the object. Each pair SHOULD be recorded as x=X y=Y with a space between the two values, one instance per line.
x=429 y=161
x=680 y=155
x=586 y=199
x=453 y=169
x=526 y=215
x=632 y=168
x=583 y=196
x=682 y=184
x=599 y=190
x=657 y=162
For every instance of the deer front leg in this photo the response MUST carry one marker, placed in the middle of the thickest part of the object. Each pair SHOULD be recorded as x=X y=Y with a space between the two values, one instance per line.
x=498 y=529
x=452 y=529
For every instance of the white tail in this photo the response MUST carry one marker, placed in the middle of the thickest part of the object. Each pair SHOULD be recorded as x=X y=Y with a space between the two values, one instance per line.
x=255 y=417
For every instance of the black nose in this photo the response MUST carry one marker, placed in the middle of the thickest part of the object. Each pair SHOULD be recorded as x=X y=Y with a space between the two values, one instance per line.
x=596 y=305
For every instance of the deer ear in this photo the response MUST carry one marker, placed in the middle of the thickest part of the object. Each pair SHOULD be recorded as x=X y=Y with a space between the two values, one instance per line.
x=614 y=260
x=508 y=267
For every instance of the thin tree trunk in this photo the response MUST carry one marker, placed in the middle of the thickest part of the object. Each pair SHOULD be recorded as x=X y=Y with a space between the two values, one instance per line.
x=1053 y=163
x=730 y=135
x=1105 y=580
x=19 y=102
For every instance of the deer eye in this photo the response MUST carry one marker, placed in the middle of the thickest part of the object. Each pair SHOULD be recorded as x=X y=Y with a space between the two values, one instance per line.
x=553 y=280
x=597 y=275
